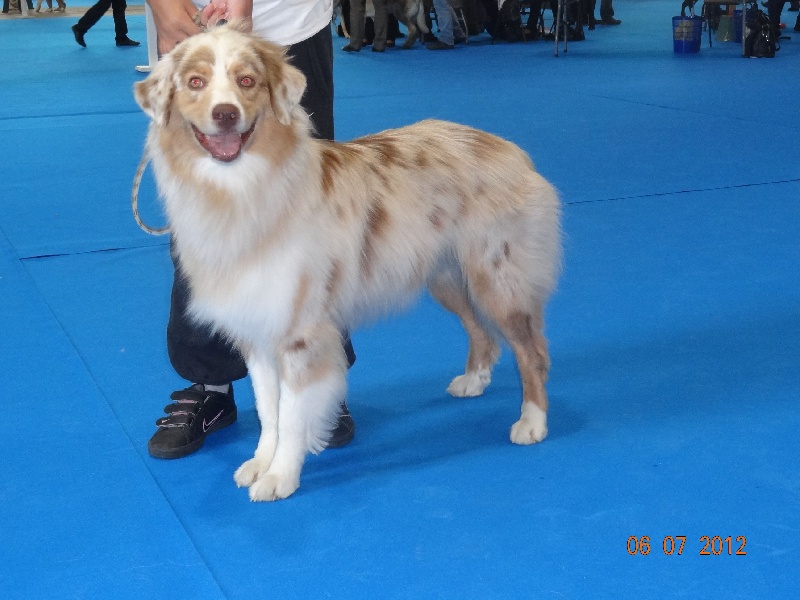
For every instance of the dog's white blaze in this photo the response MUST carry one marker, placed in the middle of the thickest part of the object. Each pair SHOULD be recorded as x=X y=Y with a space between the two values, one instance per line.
x=220 y=89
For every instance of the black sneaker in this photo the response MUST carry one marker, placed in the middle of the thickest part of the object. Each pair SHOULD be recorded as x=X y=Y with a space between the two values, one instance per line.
x=126 y=41
x=439 y=45
x=195 y=413
x=345 y=429
x=78 y=36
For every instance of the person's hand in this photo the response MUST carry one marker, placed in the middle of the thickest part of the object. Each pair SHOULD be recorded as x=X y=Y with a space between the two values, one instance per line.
x=214 y=13
x=176 y=20
x=240 y=10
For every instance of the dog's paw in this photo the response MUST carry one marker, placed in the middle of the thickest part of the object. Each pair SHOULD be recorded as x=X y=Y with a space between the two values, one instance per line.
x=470 y=384
x=270 y=487
x=250 y=471
x=529 y=430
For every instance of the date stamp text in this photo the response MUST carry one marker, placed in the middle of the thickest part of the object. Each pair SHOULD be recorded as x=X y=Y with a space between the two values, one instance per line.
x=677 y=545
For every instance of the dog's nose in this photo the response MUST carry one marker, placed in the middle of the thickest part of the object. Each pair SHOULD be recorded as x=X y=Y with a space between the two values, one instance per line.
x=226 y=116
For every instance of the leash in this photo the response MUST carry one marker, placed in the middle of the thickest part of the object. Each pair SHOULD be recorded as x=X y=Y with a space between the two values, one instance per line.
x=137 y=180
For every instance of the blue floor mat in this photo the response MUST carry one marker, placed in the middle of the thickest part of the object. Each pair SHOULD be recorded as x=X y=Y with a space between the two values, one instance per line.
x=82 y=516
x=673 y=334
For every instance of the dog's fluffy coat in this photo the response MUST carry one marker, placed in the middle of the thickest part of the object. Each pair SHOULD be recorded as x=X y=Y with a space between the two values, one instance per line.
x=287 y=241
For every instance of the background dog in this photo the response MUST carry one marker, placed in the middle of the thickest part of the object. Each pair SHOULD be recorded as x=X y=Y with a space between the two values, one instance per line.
x=410 y=13
x=287 y=240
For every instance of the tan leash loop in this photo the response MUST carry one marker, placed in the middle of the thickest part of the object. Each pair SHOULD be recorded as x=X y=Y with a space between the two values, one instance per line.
x=137 y=180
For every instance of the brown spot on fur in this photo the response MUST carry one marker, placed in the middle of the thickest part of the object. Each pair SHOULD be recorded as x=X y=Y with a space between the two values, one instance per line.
x=298 y=345
x=334 y=279
x=376 y=224
x=480 y=282
x=437 y=218
x=330 y=165
x=380 y=173
x=519 y=326
x=506 y=250
x=315 y=354
x=388 y=151
x=201 y=56
x=422 y=159
x=168 y=105
x=487 y=147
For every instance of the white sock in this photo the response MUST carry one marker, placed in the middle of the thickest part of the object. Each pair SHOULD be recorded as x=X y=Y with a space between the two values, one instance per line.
x=223 y=389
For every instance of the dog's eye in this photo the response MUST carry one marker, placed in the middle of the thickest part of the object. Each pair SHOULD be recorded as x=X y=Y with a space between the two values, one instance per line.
x=196 y=83
x=247 y=81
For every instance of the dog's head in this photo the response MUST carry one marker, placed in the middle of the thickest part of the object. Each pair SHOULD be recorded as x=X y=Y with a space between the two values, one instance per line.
x=219 y=85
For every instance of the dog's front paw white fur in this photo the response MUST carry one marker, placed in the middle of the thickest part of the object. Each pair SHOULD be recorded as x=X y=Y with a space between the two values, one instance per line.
x=469 y=385
x=529 y=430
x=250 y=471
x=271 y=486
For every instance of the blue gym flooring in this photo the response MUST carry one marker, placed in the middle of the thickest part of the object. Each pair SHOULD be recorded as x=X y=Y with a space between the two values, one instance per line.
x=675 y=340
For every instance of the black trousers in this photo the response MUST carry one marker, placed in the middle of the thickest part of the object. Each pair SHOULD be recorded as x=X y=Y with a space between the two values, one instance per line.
x=774 y=10
x=93 y=15
x=606 y=9
x=196 y=354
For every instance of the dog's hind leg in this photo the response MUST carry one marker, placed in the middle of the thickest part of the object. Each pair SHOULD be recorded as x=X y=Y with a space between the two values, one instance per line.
x=501 y=292
x=448 y=288
x=523 y=330
x=264 y=375
x=312 y=388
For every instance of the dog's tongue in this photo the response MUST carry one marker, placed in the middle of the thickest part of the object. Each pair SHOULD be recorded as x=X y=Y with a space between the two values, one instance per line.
x=224 y=146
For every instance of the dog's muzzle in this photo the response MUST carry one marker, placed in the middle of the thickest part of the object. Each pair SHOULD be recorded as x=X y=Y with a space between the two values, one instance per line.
x=226 y=145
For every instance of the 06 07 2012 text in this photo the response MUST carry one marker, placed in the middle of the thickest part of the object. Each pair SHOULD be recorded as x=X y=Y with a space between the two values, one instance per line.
x=676 y=545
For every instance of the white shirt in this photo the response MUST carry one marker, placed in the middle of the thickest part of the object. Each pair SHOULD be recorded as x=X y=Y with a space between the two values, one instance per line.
x=288 y=22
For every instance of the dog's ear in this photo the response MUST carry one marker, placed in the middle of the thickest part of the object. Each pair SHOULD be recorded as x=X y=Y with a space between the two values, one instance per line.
x=154 y=94
x=286 y=83
x=286 y=91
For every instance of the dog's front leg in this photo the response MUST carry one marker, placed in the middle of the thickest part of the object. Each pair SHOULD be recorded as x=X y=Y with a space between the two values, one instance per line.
x=312 y=388
x=264 y=375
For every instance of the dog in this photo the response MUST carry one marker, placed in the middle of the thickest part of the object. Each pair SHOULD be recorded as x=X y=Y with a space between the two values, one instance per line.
x=410 y=13
x=287 y=240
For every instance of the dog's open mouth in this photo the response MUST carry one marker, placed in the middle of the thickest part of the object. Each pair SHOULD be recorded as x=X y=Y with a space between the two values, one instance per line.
x=224 y=147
